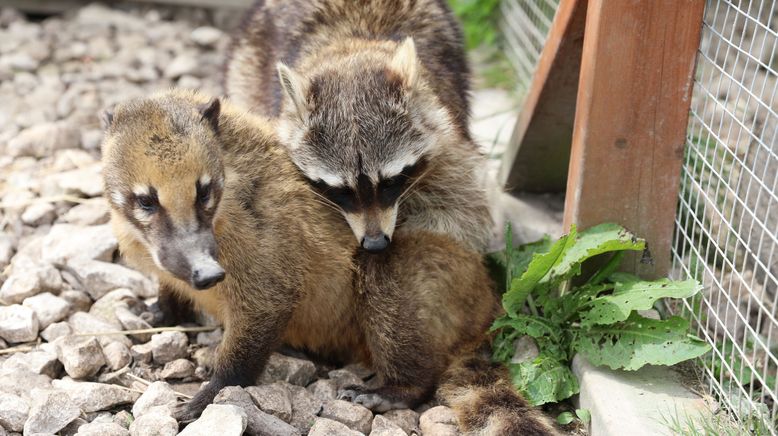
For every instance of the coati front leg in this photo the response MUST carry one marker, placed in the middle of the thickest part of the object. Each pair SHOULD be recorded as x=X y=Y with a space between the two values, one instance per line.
x=402 y=355
x=249 y=338
x=171 y=308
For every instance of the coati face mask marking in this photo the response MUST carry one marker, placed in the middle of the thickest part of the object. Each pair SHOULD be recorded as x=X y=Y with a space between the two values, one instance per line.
x=371 y=208
x=363 y=138
x=167 y=182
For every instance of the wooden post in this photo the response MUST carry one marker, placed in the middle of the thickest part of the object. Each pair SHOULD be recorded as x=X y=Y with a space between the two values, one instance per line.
x=631 y=117
x=538 y=154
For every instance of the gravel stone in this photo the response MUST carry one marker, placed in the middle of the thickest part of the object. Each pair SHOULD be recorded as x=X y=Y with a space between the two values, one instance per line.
x=157 y=424
x=117 y=355
x=290 y=369
x=158 y=393
x=168 y=346
x=38 y=361
x=13 y=412
x=56 y=330
x=130 y=321
x=206 y=36
x=82 y=322
x=66 y=242
x=82 y=357
x=180 y=65
x=102 y=429
x=48 y=308
x=223 y=419
x=50 y=412
x=406 y=419
x=23 y=382
x=43 y=139
x=324 y=389
x=274 y=399
x=29 y=280
x=98 y=278
x=385 y=427
x=178 y=369
x=92 y=213
x=305 y=407
x=259 y=422
x=94 y=397
x=328 y=427
x=355 y=416
x=18 y=323
x=39 y=214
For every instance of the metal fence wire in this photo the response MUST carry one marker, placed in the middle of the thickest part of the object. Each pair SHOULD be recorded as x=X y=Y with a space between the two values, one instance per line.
x=525 y=25
x=727 y=222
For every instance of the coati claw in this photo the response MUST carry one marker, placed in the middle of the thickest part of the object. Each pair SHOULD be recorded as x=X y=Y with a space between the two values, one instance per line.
x=183 y=413
x=369 y=398
x=347 y=394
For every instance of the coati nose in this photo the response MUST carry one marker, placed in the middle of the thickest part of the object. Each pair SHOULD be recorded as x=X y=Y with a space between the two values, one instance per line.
x=374 y=244
x=205 y=278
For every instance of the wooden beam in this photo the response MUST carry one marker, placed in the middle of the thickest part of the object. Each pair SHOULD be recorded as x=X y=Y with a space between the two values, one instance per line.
x=538 y=154
x=631 y=118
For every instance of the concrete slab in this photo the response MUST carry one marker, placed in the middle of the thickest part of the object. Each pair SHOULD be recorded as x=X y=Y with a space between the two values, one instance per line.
x=634 y=403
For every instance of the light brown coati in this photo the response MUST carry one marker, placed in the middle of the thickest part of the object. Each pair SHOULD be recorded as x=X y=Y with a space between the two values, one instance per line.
x=204 y=196
x=370 y=94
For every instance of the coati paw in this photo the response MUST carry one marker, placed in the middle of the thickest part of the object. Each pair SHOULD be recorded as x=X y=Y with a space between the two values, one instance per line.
x=369 y=399
x=187 y=412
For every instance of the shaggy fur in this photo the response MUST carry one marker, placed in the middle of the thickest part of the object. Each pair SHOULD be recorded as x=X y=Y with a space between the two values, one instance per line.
x=372 y=99
x=294 y=274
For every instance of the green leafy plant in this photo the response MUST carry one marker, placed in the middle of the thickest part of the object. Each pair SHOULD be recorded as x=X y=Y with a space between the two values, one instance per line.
x=479 y=20
x=597 y=317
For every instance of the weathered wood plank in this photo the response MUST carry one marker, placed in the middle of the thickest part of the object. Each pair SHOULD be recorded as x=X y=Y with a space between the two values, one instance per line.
x=538 y=154
x=631 y=117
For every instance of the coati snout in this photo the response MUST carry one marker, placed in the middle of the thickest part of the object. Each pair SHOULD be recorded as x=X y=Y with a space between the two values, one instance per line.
x=167 y=183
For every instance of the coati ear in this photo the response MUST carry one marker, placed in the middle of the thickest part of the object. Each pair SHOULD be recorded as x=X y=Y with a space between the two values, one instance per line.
x=210 y=112
x=292 y=84
x=106 y=118
x=405 y=62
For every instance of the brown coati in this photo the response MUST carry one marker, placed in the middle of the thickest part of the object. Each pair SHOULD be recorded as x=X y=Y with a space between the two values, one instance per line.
x=204 y=196
x=372 y=100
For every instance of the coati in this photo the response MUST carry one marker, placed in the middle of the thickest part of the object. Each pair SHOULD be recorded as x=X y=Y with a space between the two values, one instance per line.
x=371 y=95
x=203 y=196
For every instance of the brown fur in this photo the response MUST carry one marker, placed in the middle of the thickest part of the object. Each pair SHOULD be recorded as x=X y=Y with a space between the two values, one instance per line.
x=293 y=274
x=362 y=106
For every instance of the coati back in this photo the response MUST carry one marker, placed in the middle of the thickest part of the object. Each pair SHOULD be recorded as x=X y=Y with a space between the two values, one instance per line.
x=197 y=185
x=372 y=100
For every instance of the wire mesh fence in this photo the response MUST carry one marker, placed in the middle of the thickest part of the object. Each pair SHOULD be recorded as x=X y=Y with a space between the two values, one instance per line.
x=727 y=222
x=525 y=25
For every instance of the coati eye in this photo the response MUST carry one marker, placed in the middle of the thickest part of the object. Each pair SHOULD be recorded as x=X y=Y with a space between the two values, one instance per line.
x=341 y=196
x=203 y=193
x=389 y=190
x=148 y=203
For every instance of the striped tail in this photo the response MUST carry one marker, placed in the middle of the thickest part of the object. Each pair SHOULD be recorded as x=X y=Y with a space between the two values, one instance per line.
x=486 y=403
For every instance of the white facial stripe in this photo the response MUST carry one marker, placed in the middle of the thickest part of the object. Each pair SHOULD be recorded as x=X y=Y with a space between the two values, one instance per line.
x=325 y=176
x=118 y=198
x=140 y=190
x=396 y=166
x=205 y=179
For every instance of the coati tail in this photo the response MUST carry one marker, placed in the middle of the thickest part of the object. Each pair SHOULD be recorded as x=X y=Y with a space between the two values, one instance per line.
x=486 y=403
